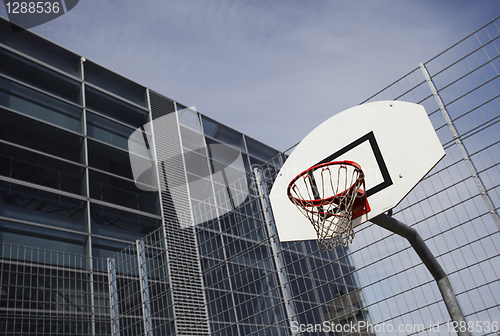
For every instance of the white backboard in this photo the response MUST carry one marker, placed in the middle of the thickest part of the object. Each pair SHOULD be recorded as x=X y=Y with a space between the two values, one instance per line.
x=394 y=143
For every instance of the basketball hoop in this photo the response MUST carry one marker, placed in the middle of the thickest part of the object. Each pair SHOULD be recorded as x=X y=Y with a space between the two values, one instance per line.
x=331 y=195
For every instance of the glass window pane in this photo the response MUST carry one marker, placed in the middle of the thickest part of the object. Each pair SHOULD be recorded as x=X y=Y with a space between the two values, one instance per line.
x=44 y=239
x=107 y=131
x=118 y=191
x=245 y=164
x=192 y=140
x=103 y=249
x=121 y=224
x=109 y=159
x=36 y=168
x=255 y=163
x=231 y=177
x=260 y=150
x=223 y=153
x=115 y=83
x=35 y=104
x=197 y=164
x=199 y=188
x=34 y=134
x=115 y=108
x=240 y=164
x=42 y=207
x=189 y=118
x=39 y=48
x=223 y=133
x=39 y=76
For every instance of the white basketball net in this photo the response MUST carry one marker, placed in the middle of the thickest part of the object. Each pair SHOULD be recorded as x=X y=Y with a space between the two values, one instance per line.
x=326 y=196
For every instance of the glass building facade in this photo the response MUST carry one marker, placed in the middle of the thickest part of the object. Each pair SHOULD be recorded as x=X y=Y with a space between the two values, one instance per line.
x=87 y=249
x=70 y=205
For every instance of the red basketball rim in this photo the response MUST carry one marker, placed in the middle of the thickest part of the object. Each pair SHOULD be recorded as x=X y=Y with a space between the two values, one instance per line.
x=331 y=199
x=360 y=205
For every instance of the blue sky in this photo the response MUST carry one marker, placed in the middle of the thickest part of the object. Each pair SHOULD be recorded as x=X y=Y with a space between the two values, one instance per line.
x=271 y=69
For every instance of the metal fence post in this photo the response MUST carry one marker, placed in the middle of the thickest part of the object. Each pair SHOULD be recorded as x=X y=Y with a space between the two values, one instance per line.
x=461 y=147
x=418 y=244
x=276 y=248
x=143 y=280
x=113 y=298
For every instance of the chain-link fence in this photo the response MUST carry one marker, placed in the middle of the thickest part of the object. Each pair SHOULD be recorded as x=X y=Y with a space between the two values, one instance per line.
x=52 y=293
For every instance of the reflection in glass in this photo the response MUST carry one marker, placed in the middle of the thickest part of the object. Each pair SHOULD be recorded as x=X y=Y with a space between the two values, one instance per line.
x=115 y=83
x=109 y=159
x=225 y=154
x=102 y=248
x=42 y=207
x=36 y=168
x=39 y=76
x=40 y=106
x=223 y=133
x=122 y=192
x=115 y=108
x=42 y=238
x=260 y=150
x=30 y=133
x=40 y=49
x=121 y=224
x=107 y=131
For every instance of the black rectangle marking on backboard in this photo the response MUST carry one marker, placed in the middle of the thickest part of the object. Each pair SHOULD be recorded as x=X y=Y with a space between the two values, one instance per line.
x=370 y=137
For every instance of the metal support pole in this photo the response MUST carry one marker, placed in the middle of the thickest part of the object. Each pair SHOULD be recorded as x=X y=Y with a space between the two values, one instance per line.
x=143 y=280
x=430 y=262
x=276 y=248
x=113 y=296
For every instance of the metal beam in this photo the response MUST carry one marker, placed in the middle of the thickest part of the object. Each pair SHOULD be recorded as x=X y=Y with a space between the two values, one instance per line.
x=276 y=247
x=113 y=296
x=143 y=280
x=418 y=244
